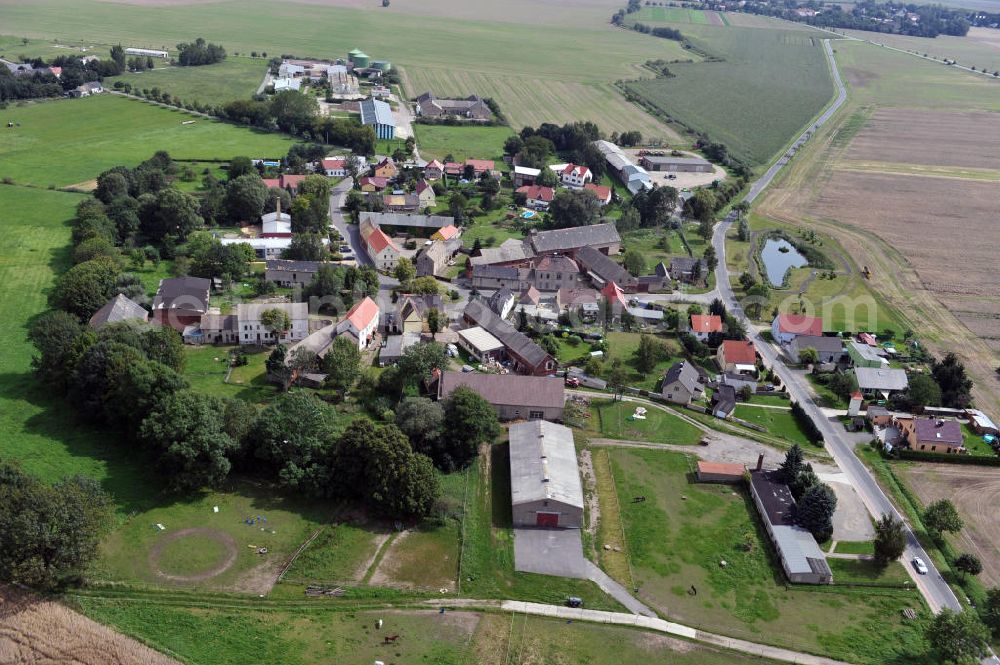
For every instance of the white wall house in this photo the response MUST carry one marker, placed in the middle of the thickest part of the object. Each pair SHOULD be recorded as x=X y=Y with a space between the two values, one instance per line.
x=252 y=331
x=361 y=323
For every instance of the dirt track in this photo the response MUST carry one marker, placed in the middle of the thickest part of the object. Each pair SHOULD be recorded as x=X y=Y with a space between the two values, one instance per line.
x=976 y=497
x=227 y=541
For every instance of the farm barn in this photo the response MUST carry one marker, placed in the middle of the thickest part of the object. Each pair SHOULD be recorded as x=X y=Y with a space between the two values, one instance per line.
x=545 y=485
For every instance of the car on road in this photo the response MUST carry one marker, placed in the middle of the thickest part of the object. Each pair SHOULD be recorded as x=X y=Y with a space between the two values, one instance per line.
x=919 y=565
x=572 y=382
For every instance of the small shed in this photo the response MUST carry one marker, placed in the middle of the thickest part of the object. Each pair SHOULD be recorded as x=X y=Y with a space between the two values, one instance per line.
x=720 y=472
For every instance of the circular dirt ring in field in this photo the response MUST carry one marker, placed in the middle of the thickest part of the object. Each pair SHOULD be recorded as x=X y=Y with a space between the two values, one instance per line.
x=220 y=559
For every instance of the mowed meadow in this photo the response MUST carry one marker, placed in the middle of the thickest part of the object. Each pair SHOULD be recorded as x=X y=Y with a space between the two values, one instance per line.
x=538 y=65
x=768 y=84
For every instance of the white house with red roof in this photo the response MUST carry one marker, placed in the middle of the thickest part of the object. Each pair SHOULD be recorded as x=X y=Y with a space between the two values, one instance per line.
x=737 y=356
x=613 y=294
x=703 y=325
x=285 y=181
x=787 y=327
x=602 y=193
x=425 y=193
x=434 y=170
x=537 y=197
x=361 y=323
x=380 y=248
x=573 y=175
x=334 y=167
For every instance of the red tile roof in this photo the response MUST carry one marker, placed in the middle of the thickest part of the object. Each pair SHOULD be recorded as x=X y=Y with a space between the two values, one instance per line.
x=333 y=164
x=447 y=232
x=537 y=192
x=739 y=351
x=480 y=165
x=799 y=324
x=272 y=182
x=378 y=240
x=434 y=164
x=421 y=186
x=614 y=293
x=576 y=169
x=362 y=314
x=603 y=193
x=292 y=181
x=706 y=323
x=721 y=468
x=377 y=181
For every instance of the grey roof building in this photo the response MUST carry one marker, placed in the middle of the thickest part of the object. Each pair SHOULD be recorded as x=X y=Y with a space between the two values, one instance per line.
x=527 y=356
x=378 y=115
x=509 y=251
x=287 y=273
x=116 y=310
x=603 y=270
x=884 y=381
x=829 y=349
x=724 y=401
x=801 y=558
x=515 y=397
x=396 y=219
x=545 y=485
x=565 y=240
x=682 y=383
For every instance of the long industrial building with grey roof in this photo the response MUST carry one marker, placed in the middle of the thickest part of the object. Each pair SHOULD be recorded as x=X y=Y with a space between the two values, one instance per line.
x=545 y=485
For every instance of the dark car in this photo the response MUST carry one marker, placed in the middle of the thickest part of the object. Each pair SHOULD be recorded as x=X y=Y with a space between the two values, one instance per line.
x=573 y=601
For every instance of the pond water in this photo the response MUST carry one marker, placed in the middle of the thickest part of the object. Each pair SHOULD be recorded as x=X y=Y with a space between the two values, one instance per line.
x=779 y=255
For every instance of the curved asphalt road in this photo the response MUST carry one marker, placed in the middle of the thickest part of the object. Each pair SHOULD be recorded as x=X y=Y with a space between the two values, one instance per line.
x=935 y=590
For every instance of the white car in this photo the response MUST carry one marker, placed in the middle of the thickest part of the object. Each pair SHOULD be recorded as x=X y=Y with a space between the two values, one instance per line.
x=920 y=566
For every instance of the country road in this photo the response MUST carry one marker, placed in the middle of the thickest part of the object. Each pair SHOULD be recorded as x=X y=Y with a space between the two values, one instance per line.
x=935 y=590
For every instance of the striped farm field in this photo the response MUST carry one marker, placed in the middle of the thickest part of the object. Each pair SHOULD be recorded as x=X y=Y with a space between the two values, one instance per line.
x=672 y=15
x=531 y=101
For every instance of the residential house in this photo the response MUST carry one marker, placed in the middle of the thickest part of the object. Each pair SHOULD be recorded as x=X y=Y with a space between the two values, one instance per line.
x=554 y=272
x=434 y=170
x=449 y=232
x=524 y=175
x=880 y=383
x=412 y=311
x=386 y=169
x=289 y=273
x=573 y=175
x=688 y=269
x=787 y=327
x=433 y=259
x=254 y=332
x=602 y=193
x=545 y=487
x=361 y=323
x=425 y=194
x=723 y=401
x=87 y=89
x=676 y=164
x=828 y=349
x=217 y=329
x=525 y=355
x=501 y=302
x=400 y=202
x=932 y=435
x=737 y=357
x=862 y=355
x=738 y=381
x=537 y=197
x=878 y=416
x=480 y=166
x=602 y=270
x=703 y=325
x=481 y=345
x=378 y=114
x=334 y=167
x=499 y=277
x=117 y=310
x=530 y=296
x=181 y=301
x=380 y=248
x=981 y=423
x=471 y=108
x=682 y=383
x=370 y=184
x=801 y=558
x=581 y=301
x=514 y=397
x=614 y=297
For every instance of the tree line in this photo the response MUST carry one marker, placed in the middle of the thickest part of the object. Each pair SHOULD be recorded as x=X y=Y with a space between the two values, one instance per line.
x=75 y=72
x=199 y=52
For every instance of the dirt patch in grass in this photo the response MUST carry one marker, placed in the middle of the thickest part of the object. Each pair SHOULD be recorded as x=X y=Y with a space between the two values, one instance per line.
x=656 y=642
x=33 y=630
x=420 y=559
x=975 y=495
x=919 y=136
x=158 y=551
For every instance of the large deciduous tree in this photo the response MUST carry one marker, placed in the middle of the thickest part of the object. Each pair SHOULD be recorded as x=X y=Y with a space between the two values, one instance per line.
x=86 y=287
x=958 y=637
x=573 y=207
x=471 y=421
x=245 y=198
x=941 y=517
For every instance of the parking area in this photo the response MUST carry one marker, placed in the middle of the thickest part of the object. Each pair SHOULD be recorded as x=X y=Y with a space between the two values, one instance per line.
x=556 y=552
x=681 y=180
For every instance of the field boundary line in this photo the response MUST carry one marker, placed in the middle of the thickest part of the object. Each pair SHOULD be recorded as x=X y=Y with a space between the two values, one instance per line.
x=302 y=547
x=379 y=555
x=621 y=523
x=461 y=548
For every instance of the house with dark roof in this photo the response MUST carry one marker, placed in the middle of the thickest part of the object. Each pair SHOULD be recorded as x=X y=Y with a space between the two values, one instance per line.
x=724 y=401
x=933 y=435
x=801 y=558
x=514 y=397
x=682 y=383
x=526 y=356
x=602 y=270
x=881 y=383
x=501 y=302
x=117 y=310
x=413 y=223
x=500 y=277
x=688 y=269
x=828 y=349
x=181 y=301
x=289 y=273
x=433 y=259
x=602 y=237
x=471 y=108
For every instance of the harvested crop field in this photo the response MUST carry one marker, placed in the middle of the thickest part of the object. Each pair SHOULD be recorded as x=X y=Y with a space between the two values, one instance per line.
x=975 y=495
x=939 y=138
x=36 y=631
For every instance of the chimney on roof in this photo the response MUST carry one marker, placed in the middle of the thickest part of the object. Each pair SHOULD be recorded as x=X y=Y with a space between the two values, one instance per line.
x=277 y=207
x=760 y=461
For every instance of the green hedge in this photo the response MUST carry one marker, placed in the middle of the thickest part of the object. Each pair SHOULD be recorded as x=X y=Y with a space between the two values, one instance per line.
x=975 y=460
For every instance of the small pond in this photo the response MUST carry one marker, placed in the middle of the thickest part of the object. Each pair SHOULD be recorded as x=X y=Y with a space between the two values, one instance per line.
x=778 y=256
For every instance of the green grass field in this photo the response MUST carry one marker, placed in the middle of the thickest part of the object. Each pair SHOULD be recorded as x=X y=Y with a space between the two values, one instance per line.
x=622 y=346
x=770 y=83
x=233 y=78
x=613 y=420
x=779 y=422
x=71 y=141
x=671 y=15
x=335 y=556
x=437 y=141
x=514 y=56
x=206 y=369
x=678 y=536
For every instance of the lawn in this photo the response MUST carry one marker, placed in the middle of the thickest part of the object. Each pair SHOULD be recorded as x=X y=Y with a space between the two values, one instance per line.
x=338 y=554
x=71 y=141
x=779 y=422
x=622 y=346
x=678 y=536
x=671 y=15
x=656 y=245
x=768 y=85
x=206 y=367
x=438 y=141
x=514 y=56
x=613 y=419
x=233 y=78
